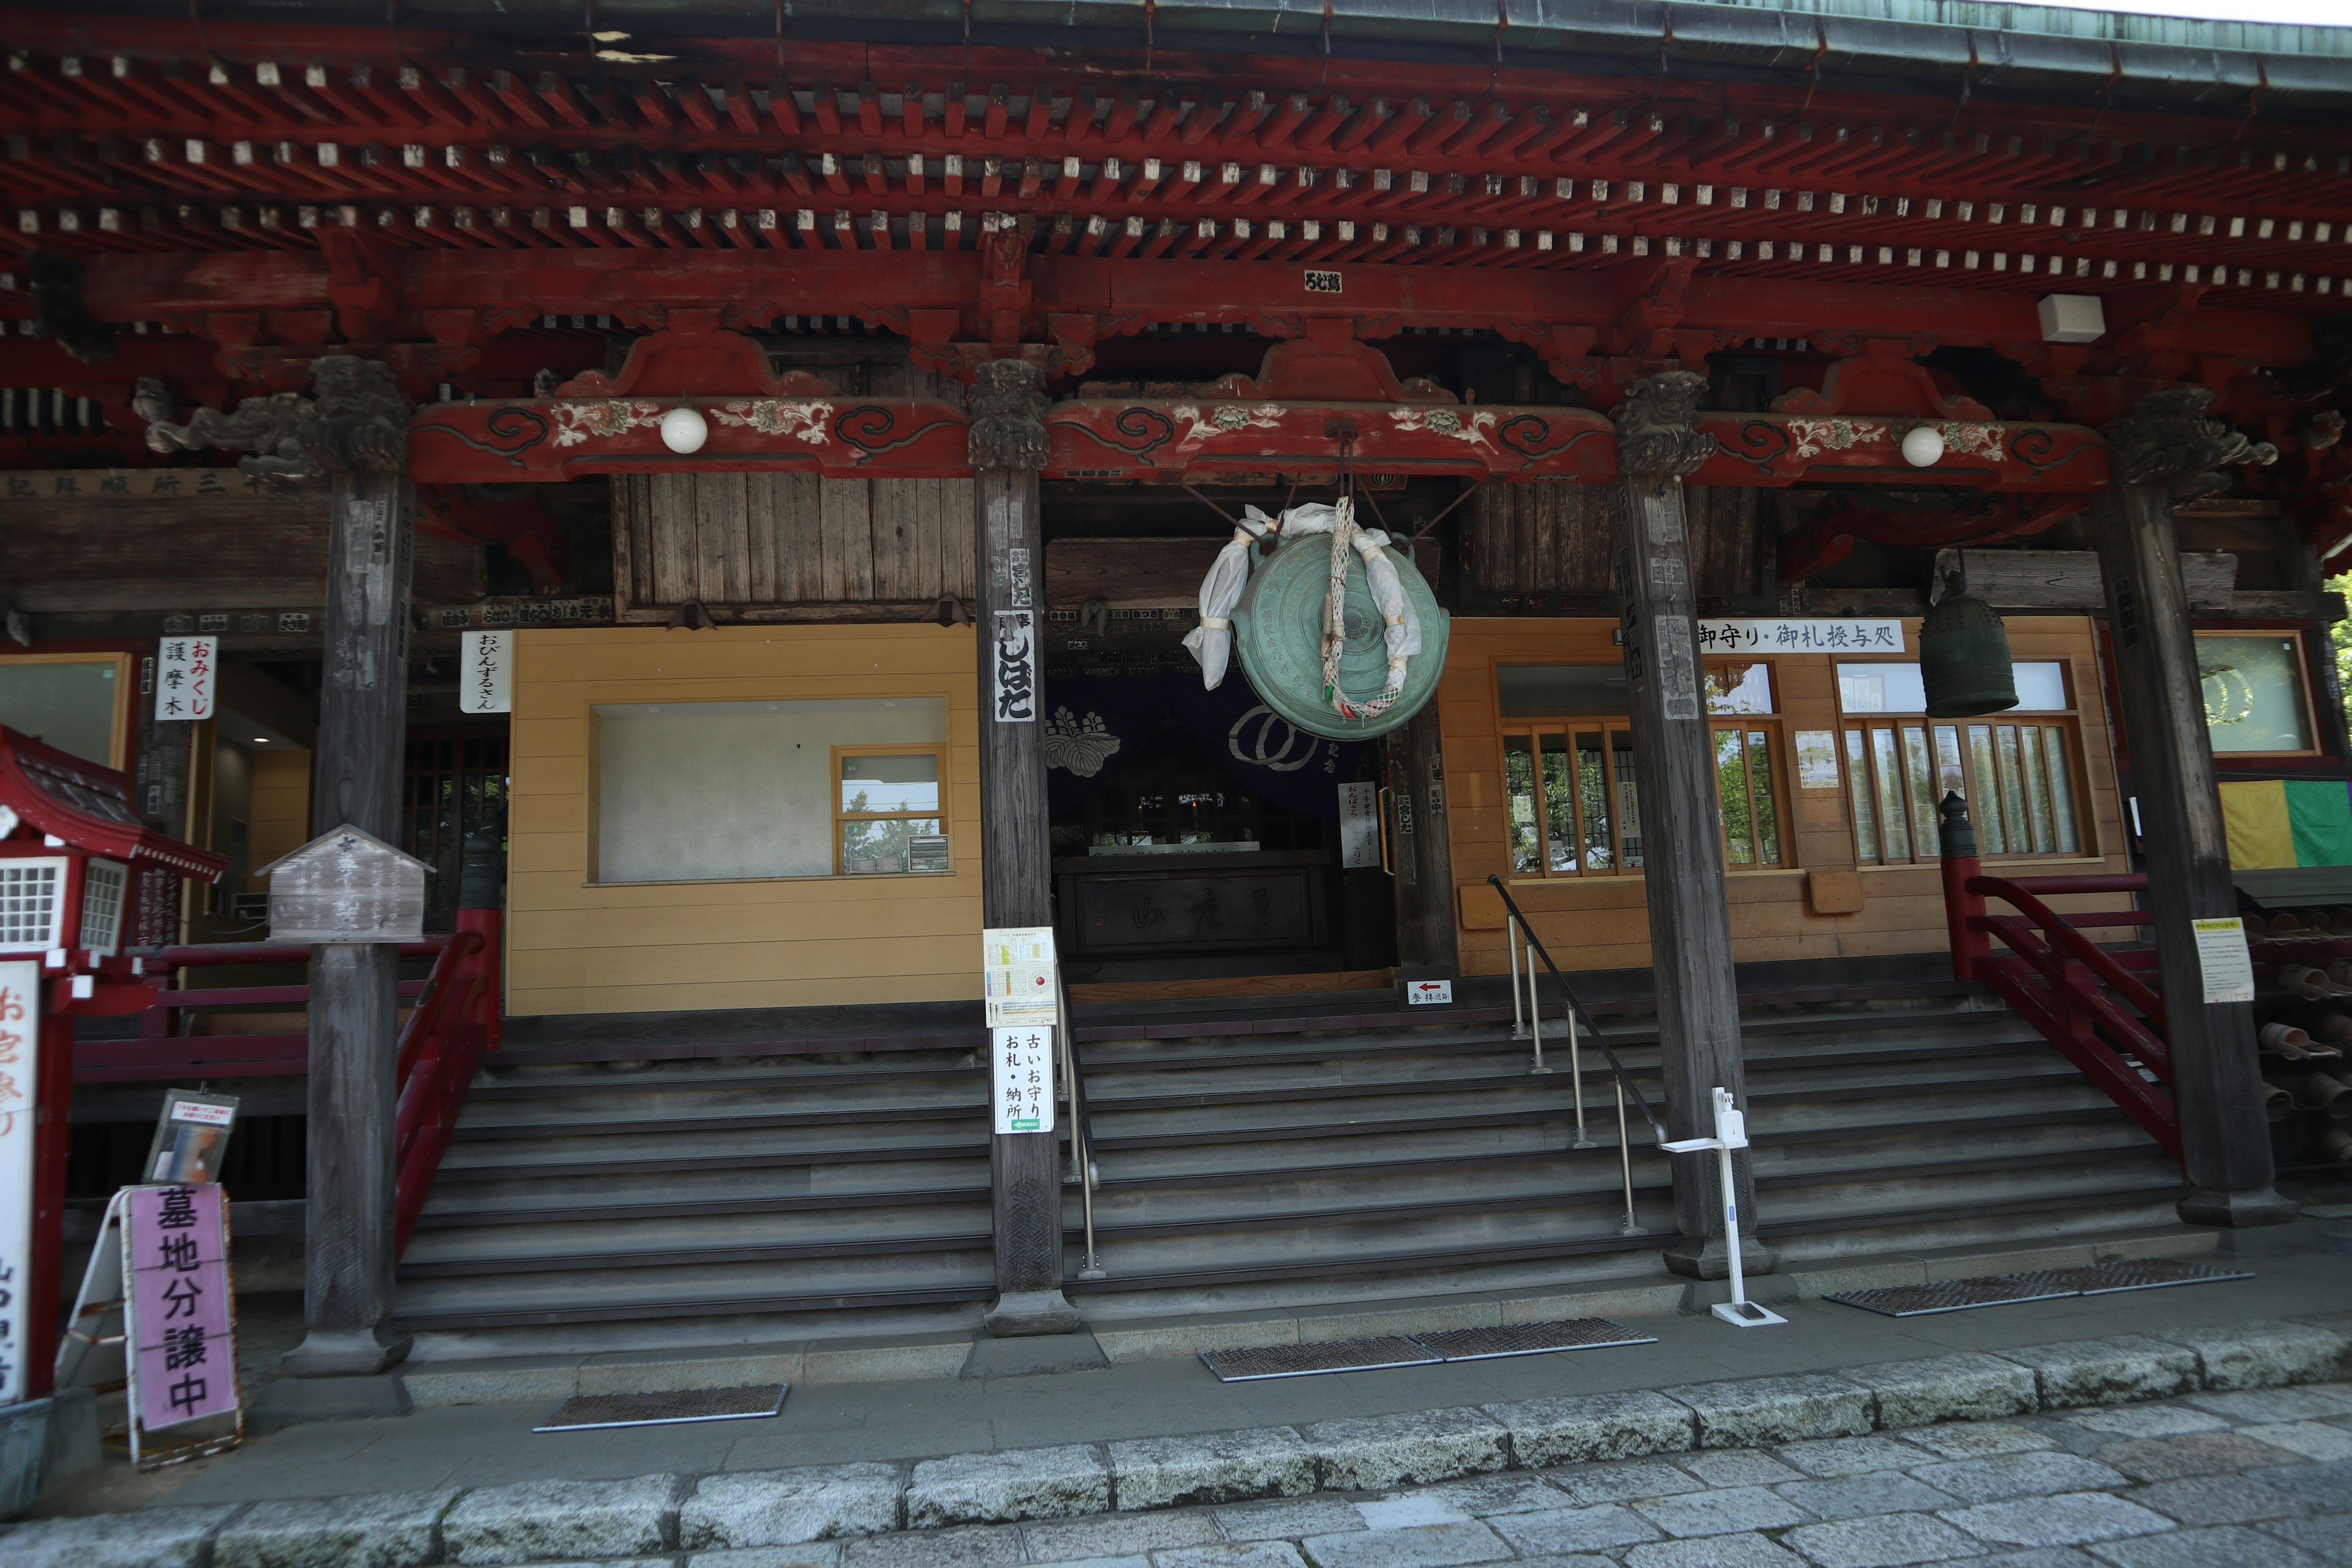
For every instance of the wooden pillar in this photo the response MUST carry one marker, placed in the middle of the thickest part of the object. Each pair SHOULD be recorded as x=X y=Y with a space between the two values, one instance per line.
x=2160 y=451
x=1008 y=446
x=1682 y=853
x=1414 y=768
x=354 y=1089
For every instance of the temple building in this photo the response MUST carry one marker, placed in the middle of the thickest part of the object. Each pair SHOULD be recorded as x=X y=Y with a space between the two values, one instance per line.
x=1816 y=529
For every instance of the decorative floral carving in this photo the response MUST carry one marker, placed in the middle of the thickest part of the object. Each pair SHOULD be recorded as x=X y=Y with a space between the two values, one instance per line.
x=1656 y=438
x=1813 y=436
x=1969 y=439
x=1079 y=745
x=811 y=422
x=355 y=421
x=578 y=422
x=1471 y=429
x=1227 y=420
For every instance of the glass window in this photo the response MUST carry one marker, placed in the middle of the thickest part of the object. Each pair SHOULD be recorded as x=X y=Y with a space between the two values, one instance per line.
x=1897 y=687
x=1560 y=690
x=1739 y=687
x=71 y=703
x=725 y=791
x=2253 y=689
x=1519 y=785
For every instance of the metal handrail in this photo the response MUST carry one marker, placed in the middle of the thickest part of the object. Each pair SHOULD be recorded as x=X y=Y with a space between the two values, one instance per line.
x=1082 y=1128
x=1576 y=1015
x=1577 y=1008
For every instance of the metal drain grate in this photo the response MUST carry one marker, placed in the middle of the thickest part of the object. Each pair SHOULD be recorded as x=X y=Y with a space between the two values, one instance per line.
x=2143 y=1274
x=1302 y=1361
x=2036 y=1285
x=586 y=1412
x=1532 y=1339
x=1420 y=1350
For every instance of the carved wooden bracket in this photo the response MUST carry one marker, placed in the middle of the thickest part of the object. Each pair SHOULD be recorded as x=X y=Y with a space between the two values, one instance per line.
x=695 y=357
x=1885 y=380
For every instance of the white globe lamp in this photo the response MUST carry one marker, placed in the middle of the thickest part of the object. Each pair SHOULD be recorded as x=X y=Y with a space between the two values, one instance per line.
x=684 y=430
x=1923 y=447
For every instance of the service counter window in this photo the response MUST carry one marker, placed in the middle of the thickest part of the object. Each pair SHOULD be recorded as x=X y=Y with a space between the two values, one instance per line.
x=2017 y=769
x=1567 y=768
x=2257 y=694
x=78 y=702
x=736 y=790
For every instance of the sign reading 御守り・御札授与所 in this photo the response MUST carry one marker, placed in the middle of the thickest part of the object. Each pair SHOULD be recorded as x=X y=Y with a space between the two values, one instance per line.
x=1799 y=636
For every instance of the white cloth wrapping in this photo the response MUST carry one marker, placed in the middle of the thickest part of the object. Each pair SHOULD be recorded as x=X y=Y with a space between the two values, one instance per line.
x=1212 y=642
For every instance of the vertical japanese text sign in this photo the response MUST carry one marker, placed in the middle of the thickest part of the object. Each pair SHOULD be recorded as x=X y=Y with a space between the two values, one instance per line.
x=185 y=670
x=1023 y=1079
x=485 y=673
x=20 y=1046
x=184 y=1348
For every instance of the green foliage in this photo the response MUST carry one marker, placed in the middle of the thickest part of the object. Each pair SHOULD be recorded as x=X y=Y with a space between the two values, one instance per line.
x=2340 y=636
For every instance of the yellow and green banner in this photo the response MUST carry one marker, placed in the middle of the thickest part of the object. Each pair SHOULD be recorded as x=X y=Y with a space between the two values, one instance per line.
x=2276 y=823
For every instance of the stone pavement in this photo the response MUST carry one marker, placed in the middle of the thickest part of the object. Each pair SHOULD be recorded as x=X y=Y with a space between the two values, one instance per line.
x=2230 y=1446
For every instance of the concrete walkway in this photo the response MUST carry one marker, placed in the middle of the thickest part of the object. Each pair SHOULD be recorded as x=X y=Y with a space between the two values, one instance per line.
x=490 y=1445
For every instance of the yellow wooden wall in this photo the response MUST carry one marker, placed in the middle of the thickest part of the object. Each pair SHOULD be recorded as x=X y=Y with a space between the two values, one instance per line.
x=280 y=822
x=577 y=947
x=1602 y=923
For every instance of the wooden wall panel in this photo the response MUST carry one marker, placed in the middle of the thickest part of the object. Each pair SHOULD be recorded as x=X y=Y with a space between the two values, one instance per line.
x=1527 y=539
x=748 y=541
x=1723 y=538
x=576 y=946
x=184 y=539
x=1602 y=922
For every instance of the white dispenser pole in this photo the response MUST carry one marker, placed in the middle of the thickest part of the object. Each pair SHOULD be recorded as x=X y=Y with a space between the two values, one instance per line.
x=1730 y=1132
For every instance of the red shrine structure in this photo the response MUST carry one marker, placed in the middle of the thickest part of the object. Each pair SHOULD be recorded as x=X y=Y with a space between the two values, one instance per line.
x=745 y=476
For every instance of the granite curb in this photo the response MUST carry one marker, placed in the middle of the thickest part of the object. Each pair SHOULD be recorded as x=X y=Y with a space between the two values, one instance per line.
x=774 y=1511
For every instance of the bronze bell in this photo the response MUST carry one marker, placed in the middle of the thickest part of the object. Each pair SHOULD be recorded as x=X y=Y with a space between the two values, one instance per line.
x=1964 y=658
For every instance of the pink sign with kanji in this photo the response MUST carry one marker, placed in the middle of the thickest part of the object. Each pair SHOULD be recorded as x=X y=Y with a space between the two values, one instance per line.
x=181 y=1328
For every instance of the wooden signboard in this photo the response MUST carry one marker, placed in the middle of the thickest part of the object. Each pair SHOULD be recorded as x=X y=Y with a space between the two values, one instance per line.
x=346 y=886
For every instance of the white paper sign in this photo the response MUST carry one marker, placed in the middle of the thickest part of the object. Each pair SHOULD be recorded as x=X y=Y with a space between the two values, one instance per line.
x=20 y=1053
x=1430 y=993
x=1013 y=683
x=485 y=673
x=1359 y=826
x=1024 y=1079
x=2222 y=955
x=1799 y=636
x=186 y=673
x=1016 y=974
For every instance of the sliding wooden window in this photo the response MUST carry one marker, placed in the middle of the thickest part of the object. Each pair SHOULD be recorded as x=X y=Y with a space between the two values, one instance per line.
x=2016 y=770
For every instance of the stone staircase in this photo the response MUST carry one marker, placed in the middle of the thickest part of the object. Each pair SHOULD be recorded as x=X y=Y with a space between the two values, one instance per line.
x=743 y=1190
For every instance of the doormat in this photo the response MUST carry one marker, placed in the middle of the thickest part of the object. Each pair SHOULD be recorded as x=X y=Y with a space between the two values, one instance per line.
x=2035 y=1285
x=1419 y=1350
x=589 y=1412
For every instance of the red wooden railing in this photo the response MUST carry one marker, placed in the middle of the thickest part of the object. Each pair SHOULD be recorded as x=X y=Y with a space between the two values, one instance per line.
x=2095 y=1005
x=452 y=1021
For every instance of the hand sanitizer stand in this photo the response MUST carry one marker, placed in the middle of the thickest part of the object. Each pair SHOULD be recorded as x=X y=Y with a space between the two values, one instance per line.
x=1730 y=1132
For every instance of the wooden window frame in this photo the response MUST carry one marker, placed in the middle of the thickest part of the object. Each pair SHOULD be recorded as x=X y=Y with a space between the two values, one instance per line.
x=937 y=749
x=1925 y=841
x=2302 y=675
x=1534 y=728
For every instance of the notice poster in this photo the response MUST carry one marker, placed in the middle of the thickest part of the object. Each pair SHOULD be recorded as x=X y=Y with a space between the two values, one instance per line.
x=1023 y=1079
x=20 y=1048
x=1360 y=827
x=2221 y=956
x=1817 y=765
x=485 y=672
x=1017 y=978
x=184 y=678
x=182 y=1333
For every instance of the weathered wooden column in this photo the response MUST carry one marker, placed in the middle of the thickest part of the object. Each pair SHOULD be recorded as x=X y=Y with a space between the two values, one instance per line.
x=1682 y=853
x=1008 y=446
x=352 y=432
x=1414 y=767
x=2163 y=451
